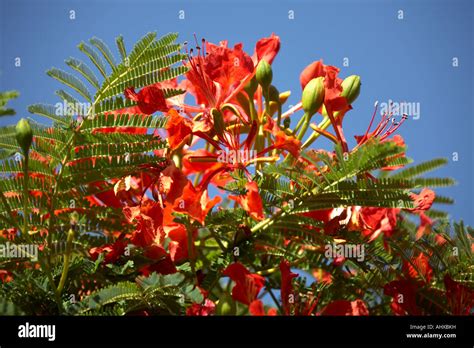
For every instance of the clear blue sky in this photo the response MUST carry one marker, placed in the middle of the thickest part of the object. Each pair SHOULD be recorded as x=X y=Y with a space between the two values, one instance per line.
x=407 y=59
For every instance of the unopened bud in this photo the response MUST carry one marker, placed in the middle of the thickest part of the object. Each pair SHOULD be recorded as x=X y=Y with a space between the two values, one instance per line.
x=273 y=94
x=313 y=96
x=24 y=135
x=351 y=88
x=264 y=74
x=251 y=87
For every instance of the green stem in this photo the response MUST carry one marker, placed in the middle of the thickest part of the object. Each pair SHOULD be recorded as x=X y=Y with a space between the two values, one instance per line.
x=67 y=259
x=26 y=194
x=304 y=127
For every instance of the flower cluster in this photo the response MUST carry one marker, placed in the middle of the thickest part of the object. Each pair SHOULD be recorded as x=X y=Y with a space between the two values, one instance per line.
x=242 y=195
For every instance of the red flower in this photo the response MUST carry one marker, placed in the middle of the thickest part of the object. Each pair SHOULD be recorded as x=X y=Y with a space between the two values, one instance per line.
x=282 y=140
x=161 y=261
x=150 y=99
x=171 y=183
x=215 y=76
x=266 y=49
x=287 y=295
x=196 y=204
x=178 y=246
x=404 y=297
x=312 y=71
x=148 y=218
x=251 y=202
x=205 y=309
x=106 y=197
x=344 y=308
x=425 y=226
x=460 y=297
x=5 y=276
x=256 y=309
x=247 y=285
x=113 y=251
x=332 y=84
x=422 y=270
x=373 y=221
x=179 y=129
x=423 y=201
x=332 y=218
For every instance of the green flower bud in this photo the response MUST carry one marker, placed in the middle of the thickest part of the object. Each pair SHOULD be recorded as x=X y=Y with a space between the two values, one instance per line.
x=218 y=118
x=24 y=134
x=273 y=94
x=225 y=306
x=313 y=96
x=351 y=88
x=251 y=87
x=264 y=74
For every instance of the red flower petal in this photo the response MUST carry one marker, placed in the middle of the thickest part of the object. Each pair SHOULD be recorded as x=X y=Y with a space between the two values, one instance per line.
x=343 y=307
x=247 y=285
x=267 y=48
x=178 y=129
x=286 y=285
x=312 y=71
x=251 y=202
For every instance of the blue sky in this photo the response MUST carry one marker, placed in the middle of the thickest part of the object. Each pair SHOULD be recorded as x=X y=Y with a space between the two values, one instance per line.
x=403 y=60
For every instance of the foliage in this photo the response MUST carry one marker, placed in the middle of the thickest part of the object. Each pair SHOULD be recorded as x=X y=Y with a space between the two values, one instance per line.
x=113 y=196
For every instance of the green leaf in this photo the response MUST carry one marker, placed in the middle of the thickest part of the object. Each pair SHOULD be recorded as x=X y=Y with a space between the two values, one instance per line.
x=84 y=70
x=94 y=57
x=105 y=50
x=71 y=81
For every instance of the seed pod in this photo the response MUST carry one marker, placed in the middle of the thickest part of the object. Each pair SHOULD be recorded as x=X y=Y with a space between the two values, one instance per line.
x=313 y=96
x=264 y=74
x=24 y=135
x=351 y=88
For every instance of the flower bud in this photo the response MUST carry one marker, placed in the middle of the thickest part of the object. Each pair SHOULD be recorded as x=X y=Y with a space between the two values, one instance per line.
x=264 y=74
x=251 y=87
x=283 y=97
x=313 y=96
x=273 y=94
x=218 y=118
x=351 y=88
x=24 y=134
